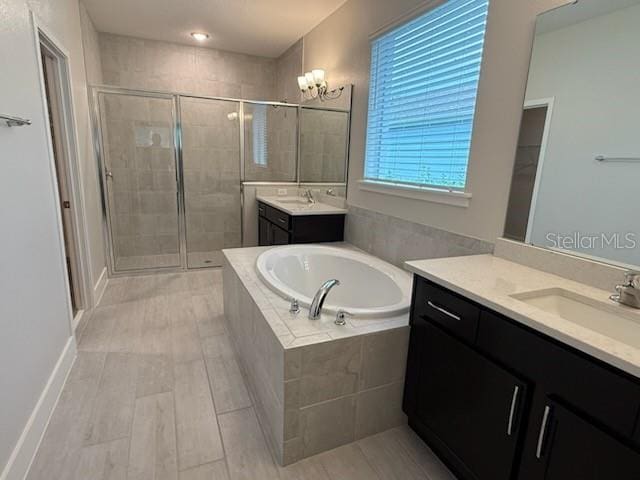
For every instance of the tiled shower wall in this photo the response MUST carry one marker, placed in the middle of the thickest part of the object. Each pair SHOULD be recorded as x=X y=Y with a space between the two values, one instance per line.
x=138 y=140
x=152 y=65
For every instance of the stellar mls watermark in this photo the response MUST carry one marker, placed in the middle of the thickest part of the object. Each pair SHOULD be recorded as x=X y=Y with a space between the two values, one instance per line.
x=592 y=241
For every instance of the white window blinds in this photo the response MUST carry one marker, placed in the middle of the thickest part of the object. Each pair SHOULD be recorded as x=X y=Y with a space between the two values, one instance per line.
x=424 y=81
x=259 y=126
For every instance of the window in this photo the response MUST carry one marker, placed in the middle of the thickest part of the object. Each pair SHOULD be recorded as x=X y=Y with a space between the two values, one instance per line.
x=260 y=135
x=424 y=82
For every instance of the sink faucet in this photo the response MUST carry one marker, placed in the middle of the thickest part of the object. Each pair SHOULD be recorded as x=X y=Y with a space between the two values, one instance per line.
x=315 y=310
x=309 y=196
x=628 y=293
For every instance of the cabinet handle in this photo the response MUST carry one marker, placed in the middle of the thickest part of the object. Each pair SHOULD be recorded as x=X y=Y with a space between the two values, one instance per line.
x=512 y=411
x=282 y=220
x=543 y=431
x=442 y=310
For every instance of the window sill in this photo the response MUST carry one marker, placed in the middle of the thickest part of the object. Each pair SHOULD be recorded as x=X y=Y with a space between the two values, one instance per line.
x=426 y=194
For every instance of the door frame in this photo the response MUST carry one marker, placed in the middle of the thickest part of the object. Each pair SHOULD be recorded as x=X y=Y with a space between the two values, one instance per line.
x=44 y=39
x=529 y=104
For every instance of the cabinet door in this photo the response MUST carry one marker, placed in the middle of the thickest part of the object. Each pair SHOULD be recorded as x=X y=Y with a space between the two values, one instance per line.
x=470 y=408
x=279 y=236
x=264 y=232
x=571 y=447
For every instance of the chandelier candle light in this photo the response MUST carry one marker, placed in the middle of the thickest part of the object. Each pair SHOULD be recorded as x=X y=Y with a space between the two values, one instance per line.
x=313 y=85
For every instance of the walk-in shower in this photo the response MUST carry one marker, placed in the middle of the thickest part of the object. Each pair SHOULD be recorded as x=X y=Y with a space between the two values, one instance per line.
x=172 y=169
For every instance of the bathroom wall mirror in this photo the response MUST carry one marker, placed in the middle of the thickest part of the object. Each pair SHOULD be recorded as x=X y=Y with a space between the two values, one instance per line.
x=324 y=139
x=577 y=166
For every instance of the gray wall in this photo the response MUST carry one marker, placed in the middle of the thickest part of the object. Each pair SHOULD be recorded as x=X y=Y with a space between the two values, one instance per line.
x=91 y=45
x=152 y=65
x=340 y=45
x=34 y=313
x=288 y=69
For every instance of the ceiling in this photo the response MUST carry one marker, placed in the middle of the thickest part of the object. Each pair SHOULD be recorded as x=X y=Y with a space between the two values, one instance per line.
x=257 y=27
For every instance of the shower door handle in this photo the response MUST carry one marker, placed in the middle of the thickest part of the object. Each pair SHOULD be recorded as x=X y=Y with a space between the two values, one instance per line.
x=108 y=174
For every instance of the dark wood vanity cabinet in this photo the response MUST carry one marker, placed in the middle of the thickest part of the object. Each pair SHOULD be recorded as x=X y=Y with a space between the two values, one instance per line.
x=498 y=400
x=276 y=227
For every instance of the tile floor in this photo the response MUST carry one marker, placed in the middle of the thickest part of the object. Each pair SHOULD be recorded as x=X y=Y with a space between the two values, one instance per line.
x=156 y=393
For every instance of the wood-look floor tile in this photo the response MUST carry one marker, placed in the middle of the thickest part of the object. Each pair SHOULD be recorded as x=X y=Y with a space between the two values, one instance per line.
x=104 y=461
x=198 y=436
x=155 y=375
x=217 y=346
x=87 y=364
x=153 y=454
x=421 y=453
x=248 y=456
x=59 y=451
x=210 y=471
x=349 y=462
x=185 y=341
x=308 y=469
x=209 y=315
x=113 y=409
x=227 y=384
x=389 y=458
x=97 y=334
x=156 y=327
x=128 y=327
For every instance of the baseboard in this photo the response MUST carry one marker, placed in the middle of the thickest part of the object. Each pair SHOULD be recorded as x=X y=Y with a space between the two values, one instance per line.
x=27 y=445
x=100 y=287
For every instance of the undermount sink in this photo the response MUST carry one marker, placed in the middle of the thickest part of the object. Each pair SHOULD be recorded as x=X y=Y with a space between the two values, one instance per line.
x=608 y=320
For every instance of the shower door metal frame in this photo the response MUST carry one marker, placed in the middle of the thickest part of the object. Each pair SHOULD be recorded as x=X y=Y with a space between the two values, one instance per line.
x=104 y=189
x=176 y=113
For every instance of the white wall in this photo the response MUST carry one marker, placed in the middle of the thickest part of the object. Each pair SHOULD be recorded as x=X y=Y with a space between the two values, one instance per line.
x=34 y=310
x=592 y=71
x=340 y=45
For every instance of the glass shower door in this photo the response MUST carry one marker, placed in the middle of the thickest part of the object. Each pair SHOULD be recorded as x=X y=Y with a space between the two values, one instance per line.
x=139 y=161
x=211 y=174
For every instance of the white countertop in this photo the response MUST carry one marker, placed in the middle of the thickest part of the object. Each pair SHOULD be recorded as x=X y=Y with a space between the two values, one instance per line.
x=298 y=206
x=490 y=281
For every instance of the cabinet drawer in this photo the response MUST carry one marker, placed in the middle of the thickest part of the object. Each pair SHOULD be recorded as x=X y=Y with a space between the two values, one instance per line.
x=262 y=210
x=278 y=218
x=451 y=311
x=588 y=385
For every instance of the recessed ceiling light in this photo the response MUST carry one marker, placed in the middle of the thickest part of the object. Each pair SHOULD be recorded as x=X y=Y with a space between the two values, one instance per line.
x=200 y=36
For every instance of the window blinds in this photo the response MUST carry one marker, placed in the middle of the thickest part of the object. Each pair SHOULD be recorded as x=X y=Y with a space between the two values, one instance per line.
x=259 y=126
x=424 y=81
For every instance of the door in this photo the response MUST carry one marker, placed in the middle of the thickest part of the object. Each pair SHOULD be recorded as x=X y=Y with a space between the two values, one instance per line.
x=53 y=92
x=140 y=178
x=466 y=404
x=571 y=447
x=279 y=236
x=264 y=232
x=211 y=171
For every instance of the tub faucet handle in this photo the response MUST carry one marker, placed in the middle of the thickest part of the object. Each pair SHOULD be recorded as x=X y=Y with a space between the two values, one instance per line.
x=341 y=317
x=294 y=307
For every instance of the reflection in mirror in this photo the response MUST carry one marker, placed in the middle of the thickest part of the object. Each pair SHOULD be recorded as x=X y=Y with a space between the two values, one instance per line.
x=270 y=139
x=577 y=162
x=323 y=145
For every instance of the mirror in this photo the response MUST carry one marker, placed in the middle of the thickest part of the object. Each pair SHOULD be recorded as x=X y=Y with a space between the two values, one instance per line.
x=577 y=163
x=324 y=143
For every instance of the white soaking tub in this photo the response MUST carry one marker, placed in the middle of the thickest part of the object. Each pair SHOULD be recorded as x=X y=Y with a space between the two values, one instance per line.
x=369 y=287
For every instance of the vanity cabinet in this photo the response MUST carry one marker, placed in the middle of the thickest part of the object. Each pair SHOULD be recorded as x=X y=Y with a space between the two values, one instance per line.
x=498 y=400
x=276 y=227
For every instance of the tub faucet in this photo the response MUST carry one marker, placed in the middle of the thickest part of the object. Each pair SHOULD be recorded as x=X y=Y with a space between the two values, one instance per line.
x=315 y=310
x=628 y=293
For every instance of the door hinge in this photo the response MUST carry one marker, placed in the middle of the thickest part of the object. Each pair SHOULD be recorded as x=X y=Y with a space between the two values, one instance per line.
x=66 y=204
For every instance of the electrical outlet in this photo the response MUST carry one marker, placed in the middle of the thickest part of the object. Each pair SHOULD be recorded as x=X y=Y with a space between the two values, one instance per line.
x=282 y=192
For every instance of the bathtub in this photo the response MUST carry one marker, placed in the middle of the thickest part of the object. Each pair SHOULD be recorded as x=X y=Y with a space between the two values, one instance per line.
x=369 y=287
